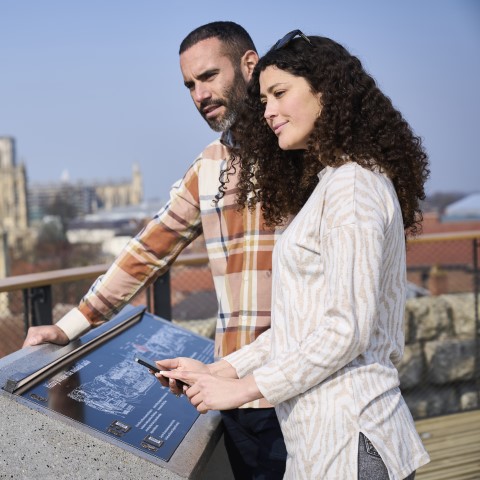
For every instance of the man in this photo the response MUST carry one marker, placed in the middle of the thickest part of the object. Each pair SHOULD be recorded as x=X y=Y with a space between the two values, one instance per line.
x=217 y=61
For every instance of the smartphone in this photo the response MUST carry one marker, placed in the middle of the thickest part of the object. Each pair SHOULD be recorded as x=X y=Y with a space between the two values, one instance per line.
x=147 y=362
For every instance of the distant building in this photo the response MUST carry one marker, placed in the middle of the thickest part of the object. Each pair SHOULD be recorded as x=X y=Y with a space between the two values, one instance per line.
x=84 y=198
x=442 y=257
x=13 y=194
x=112 y=228
x=434 y=223
x=467 y=208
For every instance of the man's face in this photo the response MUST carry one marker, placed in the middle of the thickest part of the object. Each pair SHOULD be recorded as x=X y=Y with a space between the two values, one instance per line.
x=216 y=86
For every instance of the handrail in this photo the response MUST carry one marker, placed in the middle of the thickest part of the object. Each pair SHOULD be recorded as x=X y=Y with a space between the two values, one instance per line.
x=53 y=277
x=445 y=237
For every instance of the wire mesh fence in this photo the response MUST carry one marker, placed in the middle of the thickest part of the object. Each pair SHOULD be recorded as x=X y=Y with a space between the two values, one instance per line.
x=11 y=322
x=440 y=370
x=192 y=296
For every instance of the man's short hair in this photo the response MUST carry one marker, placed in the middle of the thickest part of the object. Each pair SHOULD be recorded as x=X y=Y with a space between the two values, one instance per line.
x=235 y=39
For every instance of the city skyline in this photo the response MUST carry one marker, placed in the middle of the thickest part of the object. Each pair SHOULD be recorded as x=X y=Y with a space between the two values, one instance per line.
x=93 y=89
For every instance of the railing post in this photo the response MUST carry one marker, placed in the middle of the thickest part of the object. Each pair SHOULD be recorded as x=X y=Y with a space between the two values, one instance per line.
x=162 y=305
x=26 y=309
x=37 y=306
x=41 y=305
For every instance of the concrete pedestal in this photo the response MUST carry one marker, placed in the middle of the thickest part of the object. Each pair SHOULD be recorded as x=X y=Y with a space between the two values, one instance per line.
x=45 y=445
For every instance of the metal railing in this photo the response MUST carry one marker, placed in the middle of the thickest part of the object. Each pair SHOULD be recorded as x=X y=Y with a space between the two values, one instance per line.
x=43 y=298
x=440 y=371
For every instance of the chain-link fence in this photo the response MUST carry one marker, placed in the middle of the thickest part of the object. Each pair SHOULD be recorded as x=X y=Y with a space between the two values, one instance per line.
x=11 y=322
x=17 y=310
x=192 y=298
x=440 y=369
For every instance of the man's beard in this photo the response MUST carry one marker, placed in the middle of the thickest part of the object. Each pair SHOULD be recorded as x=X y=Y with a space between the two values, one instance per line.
x=232 y=100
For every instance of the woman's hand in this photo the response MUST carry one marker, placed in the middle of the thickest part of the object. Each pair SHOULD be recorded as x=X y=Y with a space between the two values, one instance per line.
x=212 y=392
x=179 y=363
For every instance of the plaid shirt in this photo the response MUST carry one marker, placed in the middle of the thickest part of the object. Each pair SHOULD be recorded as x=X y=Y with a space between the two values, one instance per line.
x=239 y=250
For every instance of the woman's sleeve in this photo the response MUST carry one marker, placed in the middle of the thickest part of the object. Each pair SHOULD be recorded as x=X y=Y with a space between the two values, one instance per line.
x=251 y=356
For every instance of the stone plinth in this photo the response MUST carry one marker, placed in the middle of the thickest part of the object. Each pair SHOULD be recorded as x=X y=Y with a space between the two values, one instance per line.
x=45 y=445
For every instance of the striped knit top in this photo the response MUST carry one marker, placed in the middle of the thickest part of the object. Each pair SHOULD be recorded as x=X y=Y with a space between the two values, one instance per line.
x=338 y=303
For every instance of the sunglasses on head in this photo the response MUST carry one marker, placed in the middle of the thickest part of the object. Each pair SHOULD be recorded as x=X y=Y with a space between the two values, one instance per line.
x=289 y=37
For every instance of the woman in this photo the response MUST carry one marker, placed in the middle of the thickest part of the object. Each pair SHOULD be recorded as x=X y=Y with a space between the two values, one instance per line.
x=342 y=160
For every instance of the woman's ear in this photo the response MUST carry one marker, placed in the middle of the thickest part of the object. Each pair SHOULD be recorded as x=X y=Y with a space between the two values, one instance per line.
x=320 y=104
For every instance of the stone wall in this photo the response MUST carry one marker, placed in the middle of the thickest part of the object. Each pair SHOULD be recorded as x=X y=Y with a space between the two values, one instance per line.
x=437 y=372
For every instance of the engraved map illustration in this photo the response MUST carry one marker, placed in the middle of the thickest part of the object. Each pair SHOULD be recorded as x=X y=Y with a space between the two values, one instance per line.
x=122 y=385
x=106 y=390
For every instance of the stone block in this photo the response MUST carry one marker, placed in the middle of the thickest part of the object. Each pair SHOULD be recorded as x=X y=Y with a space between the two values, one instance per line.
x=429 y=318
x=469 y=397
x=406 y=326
x=462 y=308
x=430 y=401
x=416 y=314
x=411 y=367
x=450 y=360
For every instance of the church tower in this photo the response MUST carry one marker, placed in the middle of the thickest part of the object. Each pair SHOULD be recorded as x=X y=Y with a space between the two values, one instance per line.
x=13 y=193
x=137 y=186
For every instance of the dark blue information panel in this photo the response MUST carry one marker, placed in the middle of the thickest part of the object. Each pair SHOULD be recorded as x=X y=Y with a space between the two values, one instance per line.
x=109 y=392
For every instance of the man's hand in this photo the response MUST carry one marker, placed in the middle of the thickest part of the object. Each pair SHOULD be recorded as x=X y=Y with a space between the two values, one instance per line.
x=45 y=334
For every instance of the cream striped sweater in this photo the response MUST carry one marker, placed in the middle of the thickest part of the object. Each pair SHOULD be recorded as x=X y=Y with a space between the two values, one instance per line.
x=337 y=330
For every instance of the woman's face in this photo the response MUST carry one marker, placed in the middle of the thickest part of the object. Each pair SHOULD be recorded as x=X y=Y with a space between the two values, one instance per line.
x=291 y=107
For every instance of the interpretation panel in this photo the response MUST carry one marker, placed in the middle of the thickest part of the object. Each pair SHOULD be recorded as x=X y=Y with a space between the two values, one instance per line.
x=108 y=391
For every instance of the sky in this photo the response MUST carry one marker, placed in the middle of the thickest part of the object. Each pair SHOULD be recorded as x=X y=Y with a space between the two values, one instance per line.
x=91 y=87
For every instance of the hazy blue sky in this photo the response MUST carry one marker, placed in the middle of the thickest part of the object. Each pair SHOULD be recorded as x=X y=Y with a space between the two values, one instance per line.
x=93 y=86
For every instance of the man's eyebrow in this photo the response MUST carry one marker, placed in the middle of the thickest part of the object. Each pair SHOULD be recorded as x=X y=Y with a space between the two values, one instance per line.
x=208 y=73
x=202 y=76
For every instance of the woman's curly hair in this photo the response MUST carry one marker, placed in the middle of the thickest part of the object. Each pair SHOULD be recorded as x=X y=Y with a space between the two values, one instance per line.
x=357 y=122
